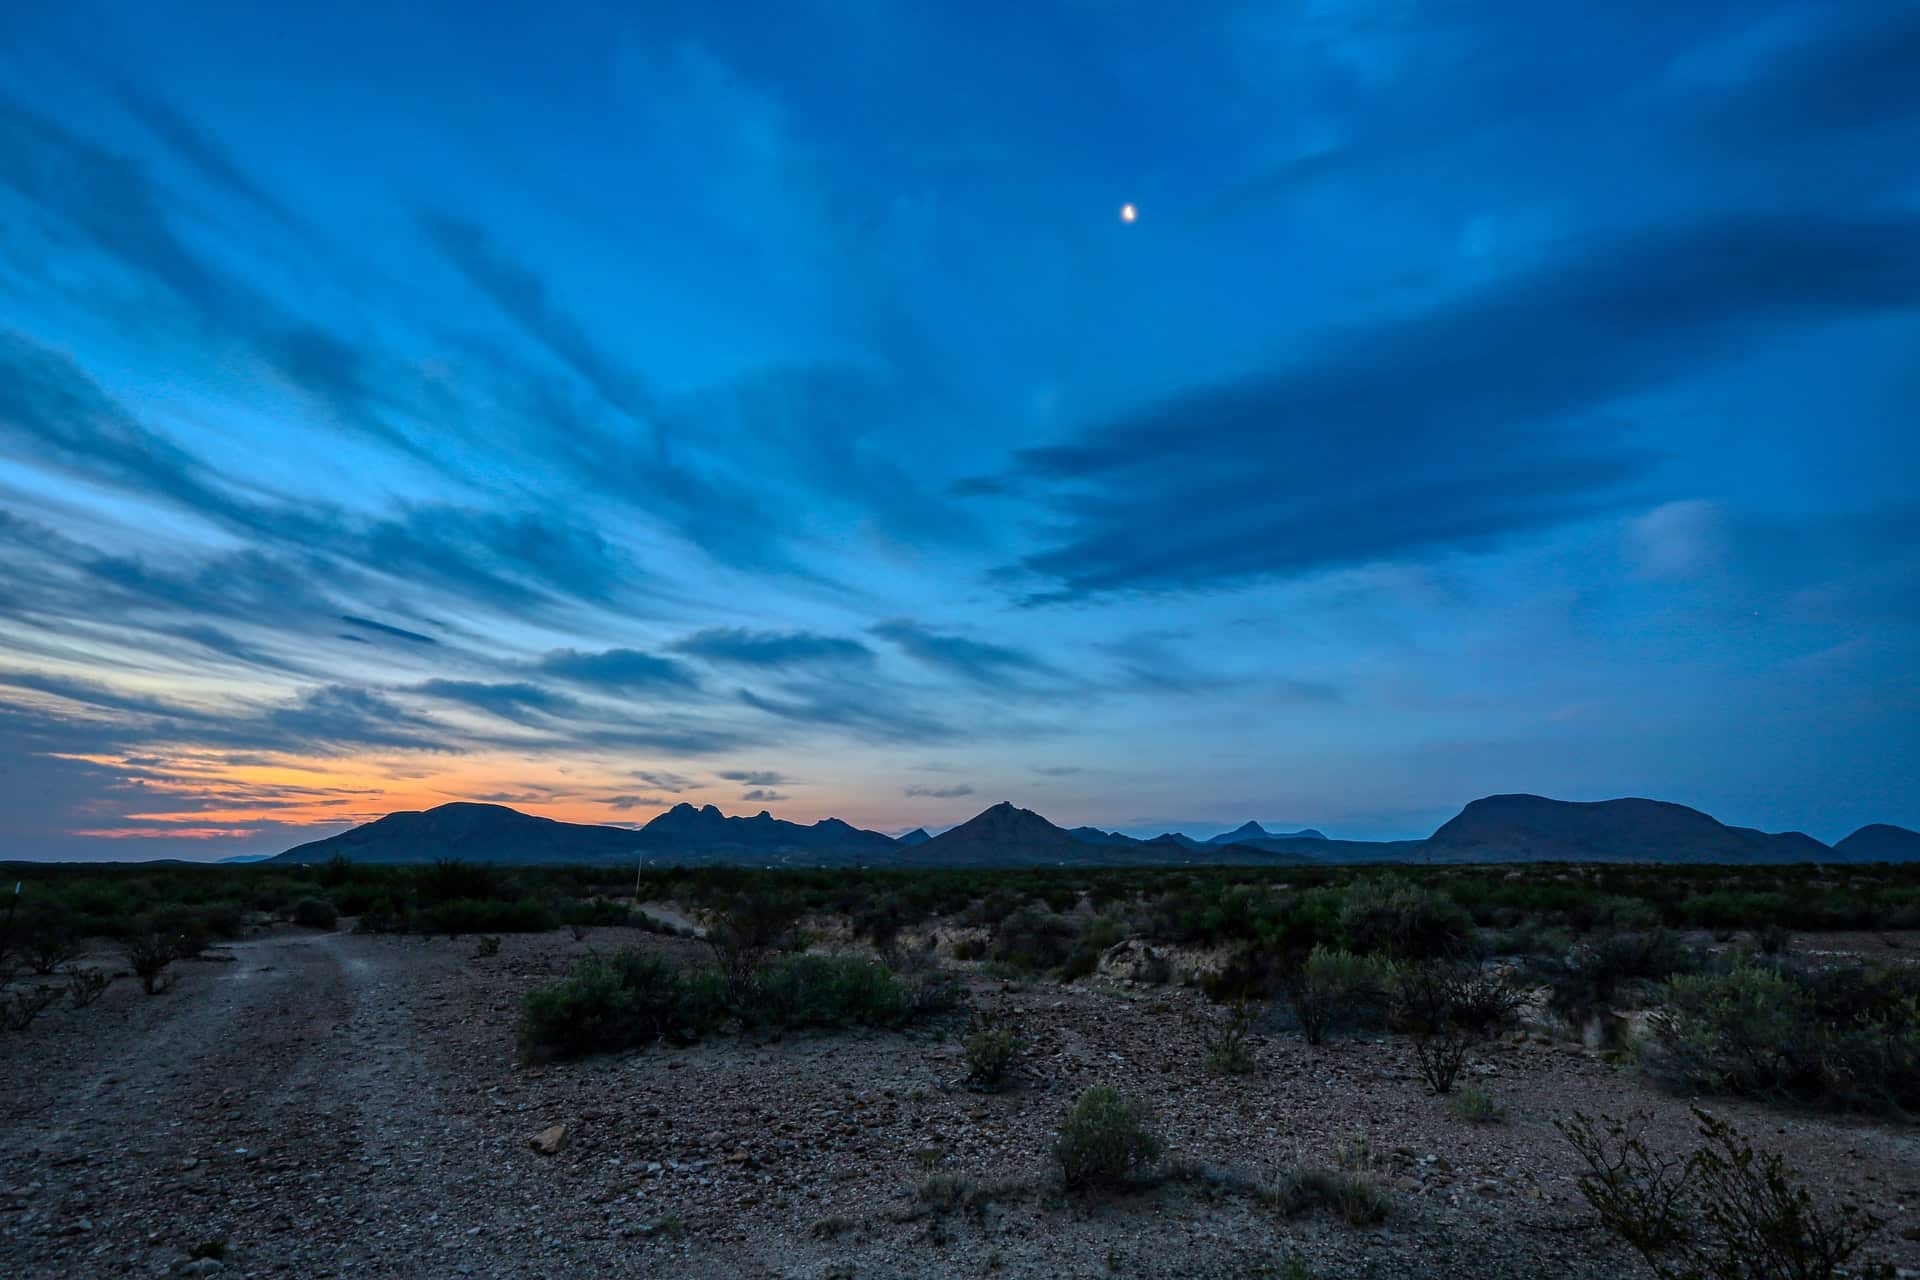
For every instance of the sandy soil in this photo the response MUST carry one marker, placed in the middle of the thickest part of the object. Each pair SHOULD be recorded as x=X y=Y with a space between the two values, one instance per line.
x=334 y=1105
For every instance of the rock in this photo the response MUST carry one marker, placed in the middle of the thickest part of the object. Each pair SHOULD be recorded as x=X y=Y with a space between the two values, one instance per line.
x=199 y=1267
x=549 y=1140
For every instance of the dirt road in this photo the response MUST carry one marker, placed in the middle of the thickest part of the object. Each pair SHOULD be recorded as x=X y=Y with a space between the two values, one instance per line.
x=280 y=1098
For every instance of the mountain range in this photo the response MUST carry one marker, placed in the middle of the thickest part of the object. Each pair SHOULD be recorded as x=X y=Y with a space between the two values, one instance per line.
x=1506 y=828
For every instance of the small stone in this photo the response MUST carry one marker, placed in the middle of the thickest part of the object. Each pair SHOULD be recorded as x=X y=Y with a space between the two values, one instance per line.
x=549 y=1140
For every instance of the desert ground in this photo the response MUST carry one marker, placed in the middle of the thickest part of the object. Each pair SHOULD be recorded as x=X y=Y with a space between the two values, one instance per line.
x=332 y=1104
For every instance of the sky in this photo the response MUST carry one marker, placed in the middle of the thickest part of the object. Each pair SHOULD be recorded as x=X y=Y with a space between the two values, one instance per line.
x=768 y=406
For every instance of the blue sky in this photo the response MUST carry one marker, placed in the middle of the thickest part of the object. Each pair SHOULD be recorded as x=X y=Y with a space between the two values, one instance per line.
x=769 y=407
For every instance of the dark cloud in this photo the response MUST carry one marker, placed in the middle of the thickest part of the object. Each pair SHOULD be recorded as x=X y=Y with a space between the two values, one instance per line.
x=343 y=718
x=939 y=793
x=627 y=670
x=663 y=780
x=735 y=646
x=516 y=701
x=764 y=795
x=521 y=295
x=1452 y=429
x=398 y=633
x=201 y=152
x=624 y=803
x=862 y=711
x=98 y=199
x=753 y=777
x=974 y=660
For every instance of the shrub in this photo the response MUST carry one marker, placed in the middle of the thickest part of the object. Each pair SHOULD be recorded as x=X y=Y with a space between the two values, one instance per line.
x=1842 y=1038
x=1605 y=971
x=489 y=945
x=1446 y=1006
x=457 y=916
x=1035 y=940
x=84 y=986
x=1725 y=1212
x=628 y=999
x=1395 y=917
x=1332 y=988
x=824 y=991
x=51 y=941
x=23 y=1006
x=1229 y=1051
x=991 y=1050
x=745 y=931
x=1105 y=1138
x=316 y=913
x=148 y=955
x=1476 y=1106
x=1351 y=1193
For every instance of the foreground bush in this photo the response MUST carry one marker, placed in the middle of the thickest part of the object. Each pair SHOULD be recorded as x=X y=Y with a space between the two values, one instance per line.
x=1844 y=1038
x=316 y=913
x=1334 y=989
x=1350 y=1193
x=991 y=1050
x=1725 y=1212
x=1397 y=918
x=148 y=955
x=1105 y=1139
x=636 y=997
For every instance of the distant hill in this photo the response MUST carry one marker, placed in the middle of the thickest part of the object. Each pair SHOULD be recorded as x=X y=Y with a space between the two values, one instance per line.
x=1523 y=828
x=1251 y=833
x=495 y=833
x=1506 y=828
x=1880 y=842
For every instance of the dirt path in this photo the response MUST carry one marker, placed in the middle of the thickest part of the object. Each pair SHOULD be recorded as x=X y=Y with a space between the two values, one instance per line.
x=276 y=1100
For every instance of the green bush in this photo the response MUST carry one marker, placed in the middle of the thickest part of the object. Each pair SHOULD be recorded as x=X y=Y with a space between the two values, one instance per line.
x=1476 y=1106
x=991 y=1050
x=797 y=992
x=459 y=916
x=1845 y=1038
x=1105 y=1138
x=631 y=998
x=1724 y=1212
x=1397 y=918
x=1331 y=989
x=316 y=913
x=1350 y=1193
x=1228 y=1043
x=148 y=955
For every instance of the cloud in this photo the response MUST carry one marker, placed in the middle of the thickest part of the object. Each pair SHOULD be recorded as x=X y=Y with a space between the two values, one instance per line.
x=762 y=794
x=754 y=777
x=1677 y=540
x=627 y=670
x=624 y=803
x=1450 y=430
x=939 y=793
x=663 y=780
x=103 y=201
x=734 y=646
x=516 y=701
x=397 y=633
x=973 y=660
x=205 y=155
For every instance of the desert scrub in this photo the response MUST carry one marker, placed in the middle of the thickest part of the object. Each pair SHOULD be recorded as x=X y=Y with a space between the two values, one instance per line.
x=1105 y=1139
x=992 y=1048
x=1723 y=1212
x=1229 y=1043
x=148 y=955
x=1351 y=1194
x=1845 y=1038
x=1331 y=989
x=1394 y=917
x=316 y=913
x=1476 y=1106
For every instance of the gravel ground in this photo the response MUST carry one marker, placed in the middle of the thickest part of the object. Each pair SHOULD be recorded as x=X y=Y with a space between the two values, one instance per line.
x=335 y=1105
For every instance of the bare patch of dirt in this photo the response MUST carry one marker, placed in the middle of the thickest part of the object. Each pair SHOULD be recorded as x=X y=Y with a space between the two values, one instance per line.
x=335 y=1105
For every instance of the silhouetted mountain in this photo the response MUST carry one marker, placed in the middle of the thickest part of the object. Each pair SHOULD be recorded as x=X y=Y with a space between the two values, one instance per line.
x=706 y=830
x=1512 y=828
x=474 y=832
x=1252 y=833
x=1006 y=836
x=1521 y=828
x=1880 y=842
x=495 y=833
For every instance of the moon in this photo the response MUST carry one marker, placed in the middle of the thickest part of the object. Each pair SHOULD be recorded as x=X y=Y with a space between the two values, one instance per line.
x=1128 y=213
